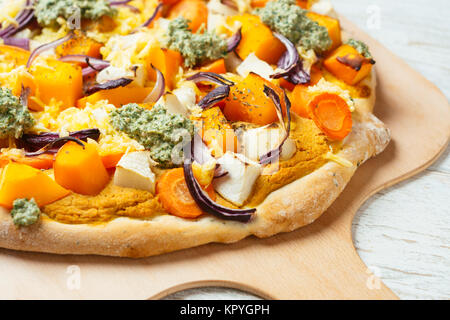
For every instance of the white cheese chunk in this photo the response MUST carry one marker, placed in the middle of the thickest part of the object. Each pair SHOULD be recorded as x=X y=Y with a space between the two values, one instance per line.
x=259 y=141
x=253 y=64
x=237 y=185
x=133 y=171
x=173 y=104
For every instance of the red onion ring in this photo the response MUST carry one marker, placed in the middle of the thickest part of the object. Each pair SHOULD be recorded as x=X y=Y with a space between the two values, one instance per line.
x=36 y=52
x=24 y=94
x=274 y=155
x=22 y=19
x=230 y=3
x=112 y=84
x=291 y=63
x=158 y=90
x=23 y=43
x=205 y=202
x=35 y=142
x=124 y=3
x=234 y=41
x=215 y=96
x=48 y=148
x=210 y=77
x=154 y=15
x=96 y=64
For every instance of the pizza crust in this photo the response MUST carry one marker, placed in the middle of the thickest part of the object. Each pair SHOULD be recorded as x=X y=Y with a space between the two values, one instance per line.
x=288 y=208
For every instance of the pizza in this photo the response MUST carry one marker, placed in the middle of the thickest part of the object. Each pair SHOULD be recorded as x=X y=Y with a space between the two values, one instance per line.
x=136 y=128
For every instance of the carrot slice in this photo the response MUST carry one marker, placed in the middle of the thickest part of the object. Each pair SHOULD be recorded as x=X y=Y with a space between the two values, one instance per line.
x=193 y=10
x=331 y=114
x=175 y=197
x=43 y=161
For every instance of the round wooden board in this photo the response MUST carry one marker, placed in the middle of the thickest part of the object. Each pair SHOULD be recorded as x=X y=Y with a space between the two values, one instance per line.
x=315 y=262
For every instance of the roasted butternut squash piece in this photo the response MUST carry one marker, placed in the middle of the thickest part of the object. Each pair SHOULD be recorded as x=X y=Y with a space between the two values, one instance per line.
x=80 y=169
x=165 y=60
x=59 y=80
x=332 y=25
x=118 y=96
x=247 y=101
x=257 y=38
x=14 y=55
x=20 y=181
x=348 y=65
x=217 y=66
x=80 y=44
x=193 y=10
x=216 y=132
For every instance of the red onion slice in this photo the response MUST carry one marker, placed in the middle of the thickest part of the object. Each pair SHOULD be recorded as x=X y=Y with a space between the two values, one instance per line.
x=215 y=96
x=24 y=94
x=230 y=3
x=124 y=3
x=116 y=83
x=17 y=42
x=274 y=155
x=291 y=64
x=158 y=90
x=205 y=202
x=154 y=15
x=51 y=146
x=94 y=63
x=210 y=77
x=36 y=52
x=34 y=142
x=234 y=41
x=23 y=18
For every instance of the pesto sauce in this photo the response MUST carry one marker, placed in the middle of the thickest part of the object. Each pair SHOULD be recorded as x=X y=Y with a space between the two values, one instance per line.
x=361 y=47
x=14 y=117
x=288 y=19
x=158 y=131
x=48 y=11
x=194 y=47
x=25 y=212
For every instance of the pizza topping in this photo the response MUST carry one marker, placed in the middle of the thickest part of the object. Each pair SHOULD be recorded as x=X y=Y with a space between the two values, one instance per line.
x=14 y=116
x=210 y=77
x=156 y=129
x=291 y=64
x=22 y=43
x=172 y=189
x=108 y=85
x=214 y=96
x=194 y=47
x=331 y=114
x=25 y=212
x=19 y=181
x=21 y=20
x=48 y=11
x=206 y=203
x=134 y=171
x=361 y=47
x=237 y=185
x=79 y=167
x=234 y=41
x=288 y=19
x=154 y=16
x=47 y=46
x=158 y=89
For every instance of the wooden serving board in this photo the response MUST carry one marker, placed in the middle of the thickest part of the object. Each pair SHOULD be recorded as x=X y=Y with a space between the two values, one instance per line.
x=315 y=262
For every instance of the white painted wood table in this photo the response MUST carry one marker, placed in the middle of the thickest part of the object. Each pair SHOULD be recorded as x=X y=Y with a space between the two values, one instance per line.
x=402 y=233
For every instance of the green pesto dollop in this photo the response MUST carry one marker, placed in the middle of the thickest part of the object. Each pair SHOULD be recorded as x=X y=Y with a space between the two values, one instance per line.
x=158 y=131
x=288 y=19
x=14 y=117
x=194 y=47
x=48 y=11
x=25 y=212
x=361 y=47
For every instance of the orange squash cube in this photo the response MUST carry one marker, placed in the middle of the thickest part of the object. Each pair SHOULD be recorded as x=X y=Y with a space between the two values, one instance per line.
x=257 y=38
x=80 y=169
x=345 y=72
x=165 y=60
x=332 y=25
x=19 y=181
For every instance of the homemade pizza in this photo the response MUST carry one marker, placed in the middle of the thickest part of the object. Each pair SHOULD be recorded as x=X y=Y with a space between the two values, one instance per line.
x=135 y=128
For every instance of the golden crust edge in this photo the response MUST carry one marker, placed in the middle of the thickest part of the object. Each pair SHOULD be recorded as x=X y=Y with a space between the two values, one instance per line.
x=286 y=209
